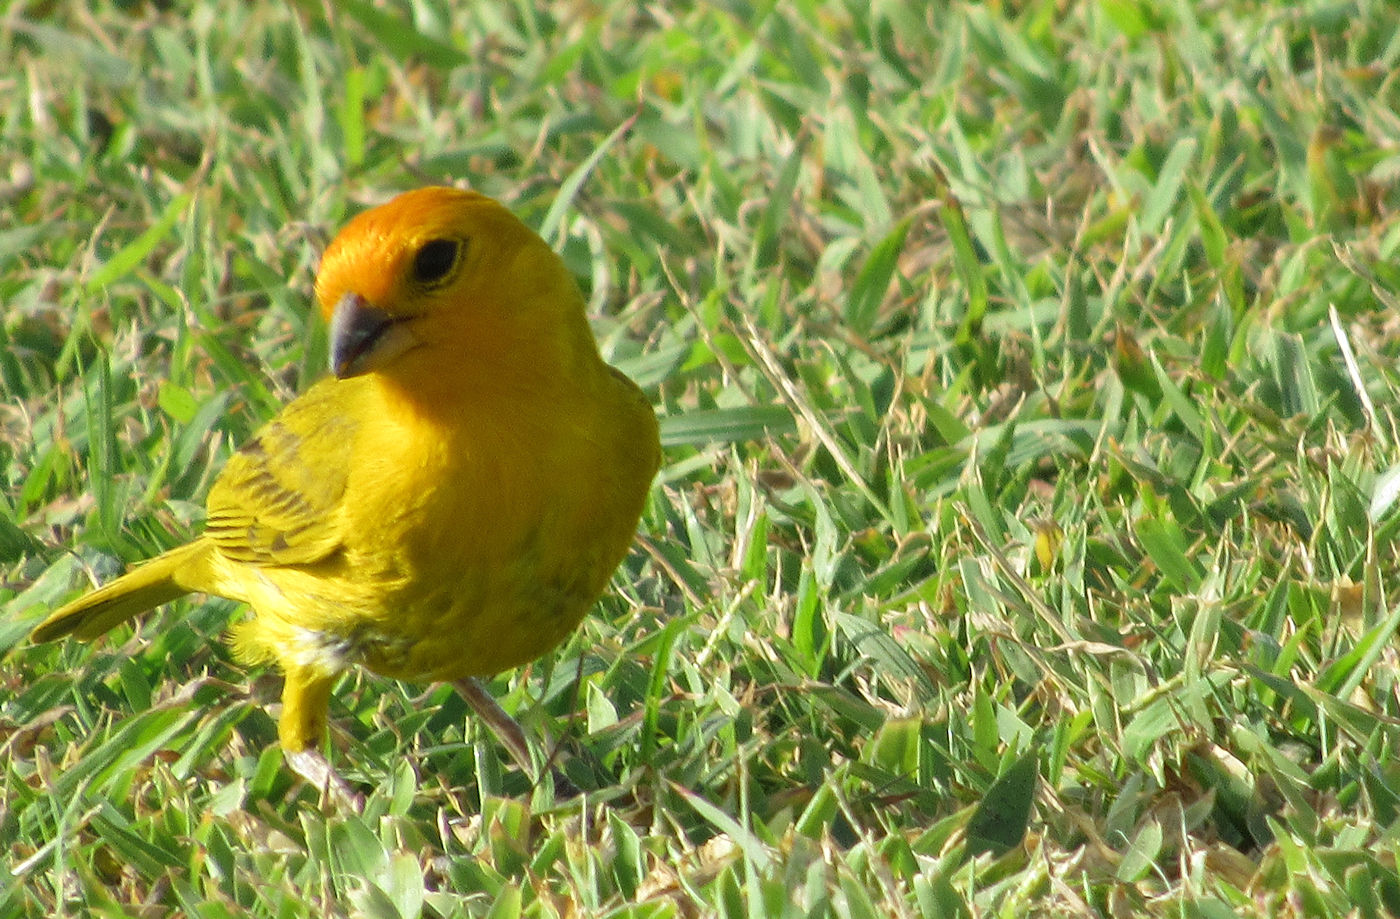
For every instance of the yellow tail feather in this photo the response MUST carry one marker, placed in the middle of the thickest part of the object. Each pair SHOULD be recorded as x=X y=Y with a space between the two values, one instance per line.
x=144 y=587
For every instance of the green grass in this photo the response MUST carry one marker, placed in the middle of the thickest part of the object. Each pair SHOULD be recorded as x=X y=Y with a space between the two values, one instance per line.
x=1024 y=545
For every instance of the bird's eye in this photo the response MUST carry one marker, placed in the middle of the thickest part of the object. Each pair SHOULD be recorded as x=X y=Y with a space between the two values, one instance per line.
x=435 y=260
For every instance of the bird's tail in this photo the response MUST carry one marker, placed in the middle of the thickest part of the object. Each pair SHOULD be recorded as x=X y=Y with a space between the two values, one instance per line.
x=144 y=587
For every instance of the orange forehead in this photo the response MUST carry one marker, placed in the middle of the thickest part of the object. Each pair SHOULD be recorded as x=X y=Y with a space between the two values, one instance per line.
x=370 y=255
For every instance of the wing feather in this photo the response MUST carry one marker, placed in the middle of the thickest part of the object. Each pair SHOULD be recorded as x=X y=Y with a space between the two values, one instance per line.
x=279 y=500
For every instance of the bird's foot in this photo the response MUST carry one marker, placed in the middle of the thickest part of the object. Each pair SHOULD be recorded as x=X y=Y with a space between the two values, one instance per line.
x=311 y=765
x=510 y=733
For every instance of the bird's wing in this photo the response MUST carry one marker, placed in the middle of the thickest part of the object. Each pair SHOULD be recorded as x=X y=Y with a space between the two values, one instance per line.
x=278 y=500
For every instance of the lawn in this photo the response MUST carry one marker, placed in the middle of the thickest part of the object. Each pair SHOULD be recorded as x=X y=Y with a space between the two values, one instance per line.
x=1026 y=533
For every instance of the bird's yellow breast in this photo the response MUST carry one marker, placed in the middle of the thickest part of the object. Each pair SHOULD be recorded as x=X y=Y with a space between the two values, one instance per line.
x=476 y=544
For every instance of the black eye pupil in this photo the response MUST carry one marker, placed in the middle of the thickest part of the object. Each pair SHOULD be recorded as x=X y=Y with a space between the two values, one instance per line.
x=435 y=260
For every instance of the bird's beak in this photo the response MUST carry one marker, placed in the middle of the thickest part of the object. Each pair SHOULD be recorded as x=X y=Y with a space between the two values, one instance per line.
x=364 y=337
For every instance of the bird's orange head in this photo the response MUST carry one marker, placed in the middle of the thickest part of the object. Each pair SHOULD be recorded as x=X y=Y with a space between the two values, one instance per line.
x=441 y=281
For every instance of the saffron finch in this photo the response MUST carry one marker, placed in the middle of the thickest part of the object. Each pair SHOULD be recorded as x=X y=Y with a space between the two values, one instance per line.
x=448 y=504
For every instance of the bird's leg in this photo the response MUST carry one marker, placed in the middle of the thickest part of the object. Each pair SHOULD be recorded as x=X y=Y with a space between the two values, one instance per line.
x=508 y=730
x=305 y=699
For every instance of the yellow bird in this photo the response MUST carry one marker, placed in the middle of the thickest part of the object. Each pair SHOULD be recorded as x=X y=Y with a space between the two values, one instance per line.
x=448 y=504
